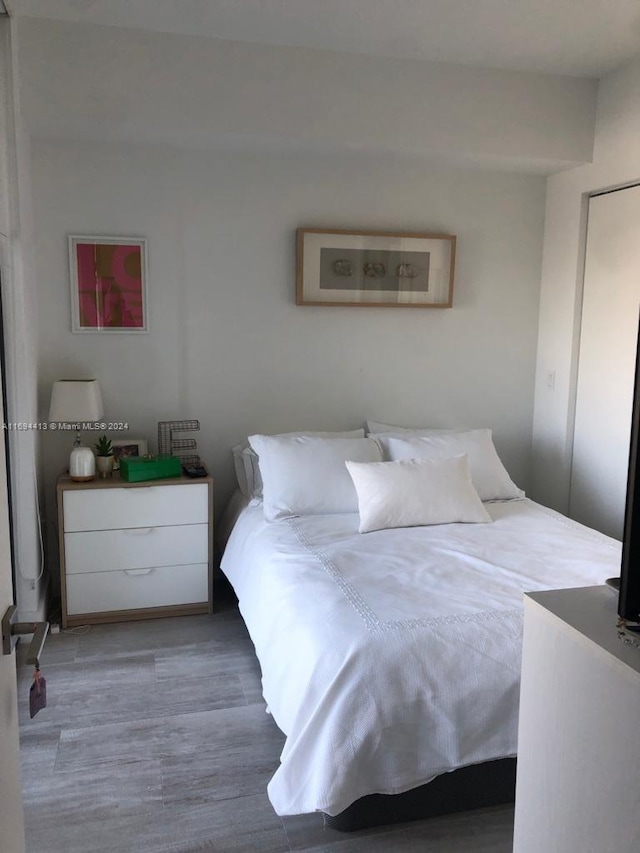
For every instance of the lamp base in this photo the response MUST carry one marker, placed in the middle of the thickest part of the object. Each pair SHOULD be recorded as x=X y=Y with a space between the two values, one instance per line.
x=82 y=464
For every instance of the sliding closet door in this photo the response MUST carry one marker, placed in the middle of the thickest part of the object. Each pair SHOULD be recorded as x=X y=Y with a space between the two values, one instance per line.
x=607 y=361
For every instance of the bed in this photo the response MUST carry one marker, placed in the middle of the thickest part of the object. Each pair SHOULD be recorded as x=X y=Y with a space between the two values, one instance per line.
x=391 y=658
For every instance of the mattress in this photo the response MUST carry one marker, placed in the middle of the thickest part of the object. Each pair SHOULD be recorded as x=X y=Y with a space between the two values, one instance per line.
x=392 y=657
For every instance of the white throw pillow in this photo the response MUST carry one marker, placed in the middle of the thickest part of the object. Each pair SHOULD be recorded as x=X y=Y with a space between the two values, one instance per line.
x=306 y=475
x=245 y=460
x=489 y=475
x=415 y=492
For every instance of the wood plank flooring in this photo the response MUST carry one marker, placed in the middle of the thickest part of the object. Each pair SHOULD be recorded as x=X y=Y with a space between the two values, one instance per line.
x=156 y=740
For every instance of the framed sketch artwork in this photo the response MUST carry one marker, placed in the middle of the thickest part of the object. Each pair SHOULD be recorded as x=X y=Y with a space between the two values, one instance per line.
x=374 y=268
x=108 y=284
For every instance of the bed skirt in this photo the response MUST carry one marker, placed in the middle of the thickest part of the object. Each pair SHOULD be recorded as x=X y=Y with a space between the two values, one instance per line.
x=491 y=783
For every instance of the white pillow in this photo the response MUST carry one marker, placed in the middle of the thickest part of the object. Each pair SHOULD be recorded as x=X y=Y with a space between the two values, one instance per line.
x=239 y=468
x=245 y=460
x=374 y=428
x=415 y=492
x=489 y=475
x=306 y=475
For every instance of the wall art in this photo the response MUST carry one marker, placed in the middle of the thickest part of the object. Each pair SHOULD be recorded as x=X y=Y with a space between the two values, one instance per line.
x=374 y=268
x=108 y=284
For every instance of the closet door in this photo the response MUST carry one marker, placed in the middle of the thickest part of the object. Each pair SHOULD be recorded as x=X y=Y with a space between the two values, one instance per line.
x=607 y=361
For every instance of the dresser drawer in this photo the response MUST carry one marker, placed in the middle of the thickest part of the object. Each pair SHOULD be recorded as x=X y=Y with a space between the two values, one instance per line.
x=146 y=506
x=135 y=548
x=132 y=589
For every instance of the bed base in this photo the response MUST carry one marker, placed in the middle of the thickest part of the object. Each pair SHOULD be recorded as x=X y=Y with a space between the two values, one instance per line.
x=491 y=783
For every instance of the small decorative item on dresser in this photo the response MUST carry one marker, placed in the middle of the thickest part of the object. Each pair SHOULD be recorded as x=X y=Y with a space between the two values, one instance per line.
x=124 y=447
x=104 y=456
x=185 y=448
x=135 y=470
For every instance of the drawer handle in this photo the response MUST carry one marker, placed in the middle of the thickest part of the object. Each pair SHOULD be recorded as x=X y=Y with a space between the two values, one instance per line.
x=139 y=531
x=136 y=572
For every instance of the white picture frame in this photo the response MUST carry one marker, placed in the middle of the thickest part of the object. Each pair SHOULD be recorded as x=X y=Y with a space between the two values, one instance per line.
x=108 y=279
x=127 y=447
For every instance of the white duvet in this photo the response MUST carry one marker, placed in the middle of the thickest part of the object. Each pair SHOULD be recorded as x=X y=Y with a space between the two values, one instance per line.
x=391 y=657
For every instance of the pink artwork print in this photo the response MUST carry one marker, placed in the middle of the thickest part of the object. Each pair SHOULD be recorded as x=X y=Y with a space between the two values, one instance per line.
x=110 y=286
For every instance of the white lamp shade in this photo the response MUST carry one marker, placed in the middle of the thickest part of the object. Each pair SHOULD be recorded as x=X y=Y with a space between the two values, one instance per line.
x=75 y=401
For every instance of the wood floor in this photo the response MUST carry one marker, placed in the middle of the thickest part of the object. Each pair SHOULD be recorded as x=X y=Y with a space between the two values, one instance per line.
x=156 y=740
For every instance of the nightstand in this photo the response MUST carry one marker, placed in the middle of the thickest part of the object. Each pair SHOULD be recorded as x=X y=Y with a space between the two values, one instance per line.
x=134 y=550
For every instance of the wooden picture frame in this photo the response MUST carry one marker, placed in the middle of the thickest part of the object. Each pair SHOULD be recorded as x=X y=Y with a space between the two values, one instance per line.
x=374 y=268
x=127 y=447
x=108 y=277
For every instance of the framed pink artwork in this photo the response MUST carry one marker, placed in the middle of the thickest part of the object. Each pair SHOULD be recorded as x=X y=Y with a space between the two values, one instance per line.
x=108 y=284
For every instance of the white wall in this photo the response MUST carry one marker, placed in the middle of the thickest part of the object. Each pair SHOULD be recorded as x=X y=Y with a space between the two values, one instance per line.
x=227 y=344
x=616 y=163
x=109 y=84
x=216 y=151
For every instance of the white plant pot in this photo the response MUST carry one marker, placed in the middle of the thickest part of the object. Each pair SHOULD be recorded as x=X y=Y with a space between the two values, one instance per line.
x=104 y=465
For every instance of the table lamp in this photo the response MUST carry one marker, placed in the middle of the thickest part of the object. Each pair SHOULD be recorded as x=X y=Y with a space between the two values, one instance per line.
x=77 y=401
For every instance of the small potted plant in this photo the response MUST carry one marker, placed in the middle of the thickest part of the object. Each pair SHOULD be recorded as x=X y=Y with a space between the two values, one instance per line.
x=104 y=456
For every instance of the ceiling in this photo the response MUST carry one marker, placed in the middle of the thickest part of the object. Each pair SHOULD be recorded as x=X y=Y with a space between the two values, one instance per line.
x=585 y=38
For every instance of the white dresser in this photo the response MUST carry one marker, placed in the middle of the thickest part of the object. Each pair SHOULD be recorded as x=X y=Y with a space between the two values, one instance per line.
x=134 y=550
x=578 y=784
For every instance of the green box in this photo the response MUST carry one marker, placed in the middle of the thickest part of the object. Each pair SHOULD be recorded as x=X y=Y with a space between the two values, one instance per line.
x=136 y=469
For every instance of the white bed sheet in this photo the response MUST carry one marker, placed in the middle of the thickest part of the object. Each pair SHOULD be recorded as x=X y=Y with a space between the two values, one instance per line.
x=391 y=657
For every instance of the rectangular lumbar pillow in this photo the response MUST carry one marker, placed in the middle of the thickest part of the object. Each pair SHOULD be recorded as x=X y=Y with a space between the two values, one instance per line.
x=415 y=492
